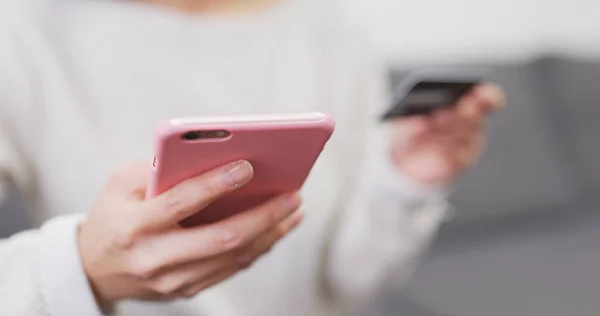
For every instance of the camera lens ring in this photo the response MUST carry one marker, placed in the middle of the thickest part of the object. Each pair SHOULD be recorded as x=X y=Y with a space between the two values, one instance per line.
x=191 y=136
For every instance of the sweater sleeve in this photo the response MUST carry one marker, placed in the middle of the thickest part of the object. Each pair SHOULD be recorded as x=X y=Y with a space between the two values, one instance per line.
x=40 y=270
x=41 y=273
x=388 y=220
x=388 y=223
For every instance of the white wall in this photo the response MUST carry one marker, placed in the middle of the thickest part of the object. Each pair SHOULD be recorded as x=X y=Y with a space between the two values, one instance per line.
x=441 y=31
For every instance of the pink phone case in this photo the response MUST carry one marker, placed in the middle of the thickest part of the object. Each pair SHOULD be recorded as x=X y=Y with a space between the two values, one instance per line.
x=282 y=150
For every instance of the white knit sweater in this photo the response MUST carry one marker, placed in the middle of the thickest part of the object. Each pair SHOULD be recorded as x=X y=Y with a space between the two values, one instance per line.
x=82 y=84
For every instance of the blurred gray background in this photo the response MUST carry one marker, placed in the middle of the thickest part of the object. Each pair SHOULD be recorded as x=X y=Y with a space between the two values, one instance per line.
x=526 y=237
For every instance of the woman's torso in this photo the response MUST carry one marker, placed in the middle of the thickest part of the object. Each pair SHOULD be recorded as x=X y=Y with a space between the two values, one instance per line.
x=102 y=75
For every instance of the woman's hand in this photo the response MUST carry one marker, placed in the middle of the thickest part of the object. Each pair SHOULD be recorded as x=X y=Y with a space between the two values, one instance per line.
x=434 y=150
x=133 y=248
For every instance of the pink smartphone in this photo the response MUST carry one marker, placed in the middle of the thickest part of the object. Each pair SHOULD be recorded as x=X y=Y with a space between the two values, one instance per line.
x=281 y=148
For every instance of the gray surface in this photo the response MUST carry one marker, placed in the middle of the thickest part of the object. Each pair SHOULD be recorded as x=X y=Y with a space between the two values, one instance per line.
x=519 y=170
x=577 y=84
x=547 y=272
x=12 y=216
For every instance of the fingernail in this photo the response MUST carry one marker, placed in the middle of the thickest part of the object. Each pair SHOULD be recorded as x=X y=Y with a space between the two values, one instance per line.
x=291 y=202
x=246 y=259
x=239 y=173
x=489 y=93
x=297 y=218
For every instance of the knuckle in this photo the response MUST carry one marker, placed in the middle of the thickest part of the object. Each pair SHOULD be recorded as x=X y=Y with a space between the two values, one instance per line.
x=144 y=269
x=225 y=239
x=125 y=239
x=213 y=185
x=165 y=286
x=174 y=200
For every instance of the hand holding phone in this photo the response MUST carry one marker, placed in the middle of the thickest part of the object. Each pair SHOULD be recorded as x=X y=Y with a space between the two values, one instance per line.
x=133 y=248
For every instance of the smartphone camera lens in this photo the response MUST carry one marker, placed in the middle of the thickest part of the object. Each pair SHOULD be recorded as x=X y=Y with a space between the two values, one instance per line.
x=190 y=136
x=204 y=135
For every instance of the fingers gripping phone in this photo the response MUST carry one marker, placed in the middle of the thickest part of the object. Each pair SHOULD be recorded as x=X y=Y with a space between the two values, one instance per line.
x=281 y=148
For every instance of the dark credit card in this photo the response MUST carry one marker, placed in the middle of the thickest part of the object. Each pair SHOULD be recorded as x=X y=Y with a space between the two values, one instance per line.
x=423 y=97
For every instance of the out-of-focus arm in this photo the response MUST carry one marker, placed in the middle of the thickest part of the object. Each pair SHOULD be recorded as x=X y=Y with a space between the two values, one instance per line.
x=41 y=273
x=388 y=221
